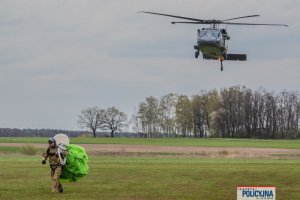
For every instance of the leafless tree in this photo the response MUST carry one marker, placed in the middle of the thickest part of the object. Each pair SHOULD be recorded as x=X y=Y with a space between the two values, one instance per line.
x=184 y=116
x=167 y=114
x=113 y=120
x=149 y=115
x=91 y=119
x=204 y=106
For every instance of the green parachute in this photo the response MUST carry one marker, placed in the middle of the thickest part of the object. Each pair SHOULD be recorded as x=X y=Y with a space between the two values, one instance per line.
x=76 y=165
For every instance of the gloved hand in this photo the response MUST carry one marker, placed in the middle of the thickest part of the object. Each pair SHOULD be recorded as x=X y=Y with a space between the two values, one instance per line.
x=43 y=162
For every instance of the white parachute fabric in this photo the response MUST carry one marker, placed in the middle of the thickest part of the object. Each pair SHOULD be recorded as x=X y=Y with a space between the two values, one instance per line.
x=62 y=141
x=61 y=149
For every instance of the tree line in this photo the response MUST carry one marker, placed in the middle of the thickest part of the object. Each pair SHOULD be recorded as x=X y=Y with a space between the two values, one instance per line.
x=15 y=132
x=235 y=112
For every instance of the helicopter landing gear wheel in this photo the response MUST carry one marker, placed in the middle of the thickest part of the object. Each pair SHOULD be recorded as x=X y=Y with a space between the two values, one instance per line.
x=222 y=68
x=197 y=54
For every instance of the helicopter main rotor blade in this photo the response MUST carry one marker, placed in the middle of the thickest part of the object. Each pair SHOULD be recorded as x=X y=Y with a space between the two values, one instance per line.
x=250 y=24
x=201 y=21
x=229 y=23
x=205 y=22
x=241 y=17
x=175 y=16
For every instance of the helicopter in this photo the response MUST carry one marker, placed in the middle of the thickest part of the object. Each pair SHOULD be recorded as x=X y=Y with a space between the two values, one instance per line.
x=212 y=42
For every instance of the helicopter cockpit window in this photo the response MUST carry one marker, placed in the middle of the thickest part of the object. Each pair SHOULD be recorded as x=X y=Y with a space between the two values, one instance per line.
x=210 y=34
x=203 y=34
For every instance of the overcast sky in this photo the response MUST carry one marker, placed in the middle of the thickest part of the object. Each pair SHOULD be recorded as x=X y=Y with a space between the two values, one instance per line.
x=58 y=57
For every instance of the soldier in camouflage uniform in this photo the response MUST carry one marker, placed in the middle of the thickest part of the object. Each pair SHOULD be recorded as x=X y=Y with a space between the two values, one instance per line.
x=55 y=165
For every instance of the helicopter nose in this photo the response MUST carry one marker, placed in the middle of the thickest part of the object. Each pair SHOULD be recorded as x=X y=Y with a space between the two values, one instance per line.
x=209 y=42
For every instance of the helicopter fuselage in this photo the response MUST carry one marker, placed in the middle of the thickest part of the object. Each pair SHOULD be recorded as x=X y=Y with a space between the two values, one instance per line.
x=212 y=43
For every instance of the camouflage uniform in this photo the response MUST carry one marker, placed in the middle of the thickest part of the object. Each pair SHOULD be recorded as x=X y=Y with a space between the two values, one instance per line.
x=56 y=168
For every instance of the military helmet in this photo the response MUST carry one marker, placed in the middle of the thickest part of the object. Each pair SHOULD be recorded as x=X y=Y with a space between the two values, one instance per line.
x=51 y=140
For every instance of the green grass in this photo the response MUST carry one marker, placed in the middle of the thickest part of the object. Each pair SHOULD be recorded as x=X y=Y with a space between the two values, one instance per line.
x=23 y=177
x=9 y=149
x=23 y=150
x=289 y=144
x=29 y=150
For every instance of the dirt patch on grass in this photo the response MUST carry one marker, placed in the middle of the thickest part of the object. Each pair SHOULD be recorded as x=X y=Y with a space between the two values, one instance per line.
x=170 y=151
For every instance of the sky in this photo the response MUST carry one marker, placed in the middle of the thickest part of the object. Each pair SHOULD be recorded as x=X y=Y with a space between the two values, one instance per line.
x=58 y=57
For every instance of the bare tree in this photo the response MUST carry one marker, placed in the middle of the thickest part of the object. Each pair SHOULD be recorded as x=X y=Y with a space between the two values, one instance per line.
x=184 y=116
x=204 y=106
x=167 y=114
x=91 y=119
x=149 y=115
x=113 y=120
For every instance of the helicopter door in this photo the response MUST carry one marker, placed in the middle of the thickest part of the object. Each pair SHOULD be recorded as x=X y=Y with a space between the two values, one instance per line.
x=223 y=41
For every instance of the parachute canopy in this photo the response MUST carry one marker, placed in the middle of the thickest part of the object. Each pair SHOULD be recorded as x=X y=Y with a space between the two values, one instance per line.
x=62 y=139
x=76 y=165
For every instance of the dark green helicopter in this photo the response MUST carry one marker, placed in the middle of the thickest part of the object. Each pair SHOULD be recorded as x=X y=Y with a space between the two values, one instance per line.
x=212 y=42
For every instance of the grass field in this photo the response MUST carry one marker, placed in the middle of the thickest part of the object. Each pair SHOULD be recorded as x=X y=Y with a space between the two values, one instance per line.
x=23 y=177
x=147 y=178
x=288 y=144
